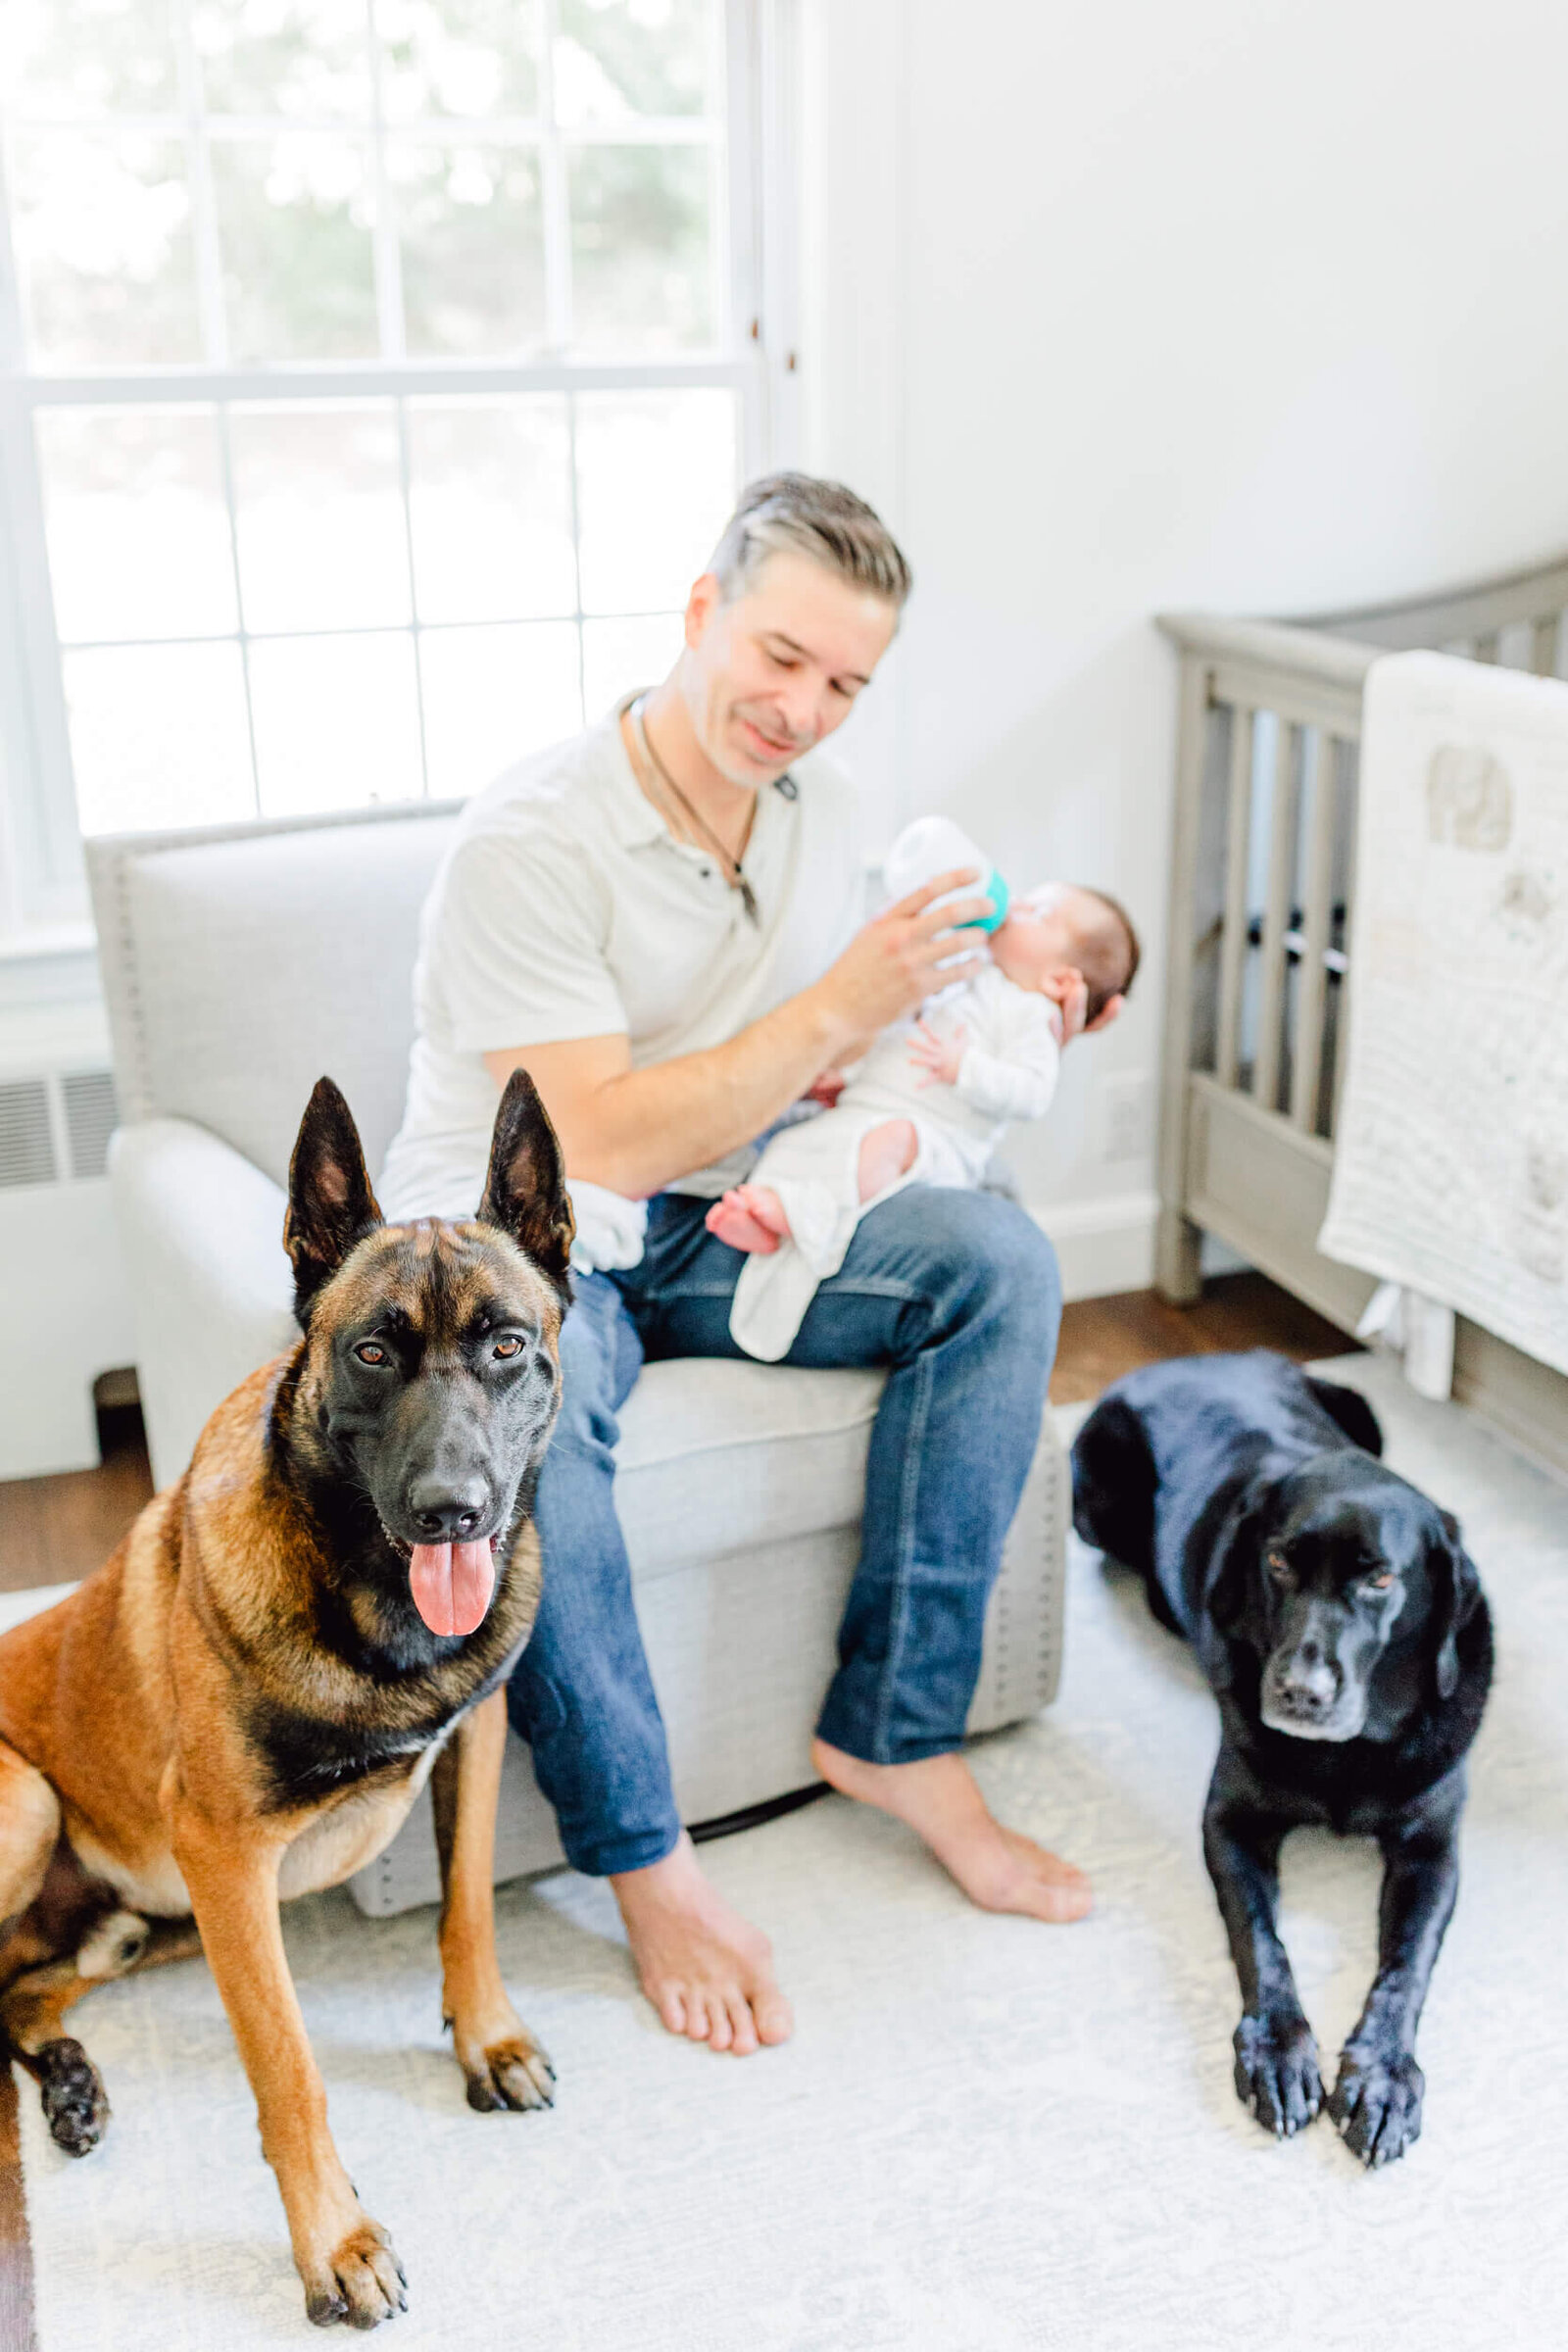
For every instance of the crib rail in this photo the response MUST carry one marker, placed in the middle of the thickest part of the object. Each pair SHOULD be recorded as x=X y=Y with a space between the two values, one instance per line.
x=1262 y=885
x=1516 y=621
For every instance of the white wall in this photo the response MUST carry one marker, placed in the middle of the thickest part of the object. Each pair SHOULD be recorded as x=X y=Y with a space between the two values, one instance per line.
x=1251 y=305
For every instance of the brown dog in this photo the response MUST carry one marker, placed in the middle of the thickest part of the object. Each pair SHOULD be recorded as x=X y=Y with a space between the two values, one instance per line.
x=244 y=1701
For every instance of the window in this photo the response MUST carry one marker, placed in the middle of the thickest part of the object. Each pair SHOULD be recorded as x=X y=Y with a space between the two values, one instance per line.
x=376 y=375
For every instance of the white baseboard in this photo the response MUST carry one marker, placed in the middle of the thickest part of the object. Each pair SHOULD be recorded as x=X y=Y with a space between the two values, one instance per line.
x=1102 y=1247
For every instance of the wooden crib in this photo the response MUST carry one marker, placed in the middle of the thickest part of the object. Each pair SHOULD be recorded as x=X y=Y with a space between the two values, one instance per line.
x=1262 y=882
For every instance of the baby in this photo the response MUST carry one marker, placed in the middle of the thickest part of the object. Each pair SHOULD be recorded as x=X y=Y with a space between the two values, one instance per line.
x=927 y=1104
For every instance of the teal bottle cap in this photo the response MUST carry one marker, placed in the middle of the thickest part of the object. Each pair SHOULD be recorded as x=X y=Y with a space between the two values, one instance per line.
x=996 y=891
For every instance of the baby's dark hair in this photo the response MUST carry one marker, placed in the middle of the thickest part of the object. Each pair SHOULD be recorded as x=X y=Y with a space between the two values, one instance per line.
x=1109 y=953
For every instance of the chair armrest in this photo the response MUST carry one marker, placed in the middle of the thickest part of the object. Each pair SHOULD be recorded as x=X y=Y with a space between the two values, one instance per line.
x=201 y=1231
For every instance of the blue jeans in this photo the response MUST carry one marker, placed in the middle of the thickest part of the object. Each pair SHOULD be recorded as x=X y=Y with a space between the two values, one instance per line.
x=958 y=1294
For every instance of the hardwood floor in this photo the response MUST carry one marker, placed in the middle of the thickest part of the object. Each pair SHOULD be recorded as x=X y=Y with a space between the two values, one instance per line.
x=53 y=1530
x=16 y=2315
x=1104 y=1338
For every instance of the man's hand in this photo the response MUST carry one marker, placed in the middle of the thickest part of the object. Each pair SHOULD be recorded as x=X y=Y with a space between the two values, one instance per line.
x=636 y=1131
x=941 y=1059
x=901 y=957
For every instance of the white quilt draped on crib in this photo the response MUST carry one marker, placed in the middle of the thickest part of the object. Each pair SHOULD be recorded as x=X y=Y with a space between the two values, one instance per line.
x=1451 y=1168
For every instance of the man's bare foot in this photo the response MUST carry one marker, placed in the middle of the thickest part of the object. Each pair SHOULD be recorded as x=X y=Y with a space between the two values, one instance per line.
x=887 y=1152
x=939 y=1797
x=749 y=1218
x=707 y=1970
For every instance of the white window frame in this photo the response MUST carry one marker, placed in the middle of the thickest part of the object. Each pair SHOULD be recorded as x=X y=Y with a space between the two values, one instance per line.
x=43 y=898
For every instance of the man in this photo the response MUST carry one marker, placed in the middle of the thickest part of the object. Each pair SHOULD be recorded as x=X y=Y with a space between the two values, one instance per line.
x=664 y=925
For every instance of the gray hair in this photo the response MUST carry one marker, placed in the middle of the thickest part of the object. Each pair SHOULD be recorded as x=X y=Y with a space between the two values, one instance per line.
x=798 y=514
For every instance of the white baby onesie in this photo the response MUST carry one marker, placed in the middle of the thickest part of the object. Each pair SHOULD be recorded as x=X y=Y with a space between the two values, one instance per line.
x=1008 y=1071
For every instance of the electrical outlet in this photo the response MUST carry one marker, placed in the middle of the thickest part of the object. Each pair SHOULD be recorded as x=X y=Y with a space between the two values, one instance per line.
x=1126 y=1117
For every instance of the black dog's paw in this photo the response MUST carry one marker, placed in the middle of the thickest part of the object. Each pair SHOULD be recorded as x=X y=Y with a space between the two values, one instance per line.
x=75 y=2105
x=1376 y=2103
x=1277 y=2076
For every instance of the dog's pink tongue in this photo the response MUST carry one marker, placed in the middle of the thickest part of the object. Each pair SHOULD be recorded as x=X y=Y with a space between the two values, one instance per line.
x=452 y=1584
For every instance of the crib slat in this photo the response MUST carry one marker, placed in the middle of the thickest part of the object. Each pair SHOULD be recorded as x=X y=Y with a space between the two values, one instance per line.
x=1232 y=938
x=1281 y=850
x=1177 y=1240
x=1305 y=1069
x=1342 y=1020
x=1543 y=645
x=1486 y=648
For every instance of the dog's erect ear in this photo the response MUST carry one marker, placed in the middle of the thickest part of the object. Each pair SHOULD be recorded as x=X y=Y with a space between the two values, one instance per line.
x=331 y=1203
x=1455 y=1597
x=525 y=1190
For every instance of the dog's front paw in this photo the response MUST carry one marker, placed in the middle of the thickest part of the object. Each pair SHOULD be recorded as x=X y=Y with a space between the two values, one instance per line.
x=359 y=2283
x=513 y=2072
x=1376 y=2103
x=1277 y=2076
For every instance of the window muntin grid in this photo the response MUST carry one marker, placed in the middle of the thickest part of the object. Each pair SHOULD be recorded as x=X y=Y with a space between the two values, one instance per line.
x=165 y=169
x=452 y=666
x=336 y=523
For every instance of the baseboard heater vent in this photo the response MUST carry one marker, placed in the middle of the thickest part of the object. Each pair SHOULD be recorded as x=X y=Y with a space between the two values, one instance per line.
x=56 y=1128
x=91 y=1113
x=27 y=1146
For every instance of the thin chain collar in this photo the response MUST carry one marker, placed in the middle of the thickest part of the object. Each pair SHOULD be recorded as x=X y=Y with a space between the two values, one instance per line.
x=729 y=866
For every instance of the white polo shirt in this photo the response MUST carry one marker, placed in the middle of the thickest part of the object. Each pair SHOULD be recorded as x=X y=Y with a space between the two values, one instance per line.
x=567 y=908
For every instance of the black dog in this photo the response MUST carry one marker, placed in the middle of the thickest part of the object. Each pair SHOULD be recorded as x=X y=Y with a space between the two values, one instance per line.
x=1343 y=1629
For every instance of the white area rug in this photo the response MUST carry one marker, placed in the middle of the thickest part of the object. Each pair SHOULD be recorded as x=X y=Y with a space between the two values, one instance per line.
x=987 y=2136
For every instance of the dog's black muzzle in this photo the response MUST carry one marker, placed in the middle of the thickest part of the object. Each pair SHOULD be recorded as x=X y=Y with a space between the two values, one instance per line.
x=449 y=1506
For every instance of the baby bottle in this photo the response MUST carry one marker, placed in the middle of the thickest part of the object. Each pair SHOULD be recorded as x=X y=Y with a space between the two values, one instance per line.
x=935 y=845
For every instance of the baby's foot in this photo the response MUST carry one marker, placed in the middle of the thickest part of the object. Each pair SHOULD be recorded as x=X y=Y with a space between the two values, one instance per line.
x=750 y=1218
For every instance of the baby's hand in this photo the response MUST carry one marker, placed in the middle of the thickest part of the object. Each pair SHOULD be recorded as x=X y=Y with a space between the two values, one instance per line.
x=939 y=1058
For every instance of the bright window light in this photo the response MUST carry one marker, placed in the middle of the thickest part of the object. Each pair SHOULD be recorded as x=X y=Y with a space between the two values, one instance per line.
x=382 y=371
